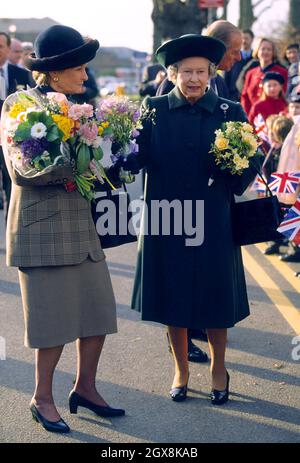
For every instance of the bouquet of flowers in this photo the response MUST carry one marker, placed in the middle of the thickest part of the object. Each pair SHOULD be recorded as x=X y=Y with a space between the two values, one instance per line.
x=121 y=119
x=234 y=145
x=49 y=132
x=37 y=135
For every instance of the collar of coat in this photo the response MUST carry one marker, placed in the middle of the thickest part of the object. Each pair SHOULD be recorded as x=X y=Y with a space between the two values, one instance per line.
x=207 y=102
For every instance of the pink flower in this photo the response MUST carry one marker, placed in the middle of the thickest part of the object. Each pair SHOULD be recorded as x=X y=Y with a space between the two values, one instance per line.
x=88 y=133
x=77 y=111
x=58 y=98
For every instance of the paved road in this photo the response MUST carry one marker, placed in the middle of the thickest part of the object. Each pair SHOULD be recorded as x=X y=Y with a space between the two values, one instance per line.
x=136 y=369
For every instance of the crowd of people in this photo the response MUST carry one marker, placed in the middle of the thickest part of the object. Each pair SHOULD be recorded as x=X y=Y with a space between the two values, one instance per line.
x=201 y=82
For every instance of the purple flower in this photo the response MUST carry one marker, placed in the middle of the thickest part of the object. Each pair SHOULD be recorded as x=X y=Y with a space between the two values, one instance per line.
x=136 y=115
x=33 y=147
x=134 y=147
x=135 y=133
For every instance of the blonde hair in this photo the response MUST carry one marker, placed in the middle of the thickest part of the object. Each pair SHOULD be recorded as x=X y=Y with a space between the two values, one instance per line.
x=270 y=121
x=258 y=45
x=281 y=128
x=41 y=78
x=172 y=71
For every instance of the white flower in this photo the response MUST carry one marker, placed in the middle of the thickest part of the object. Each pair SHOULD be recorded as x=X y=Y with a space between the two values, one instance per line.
x=38 y=130
x=97 y=142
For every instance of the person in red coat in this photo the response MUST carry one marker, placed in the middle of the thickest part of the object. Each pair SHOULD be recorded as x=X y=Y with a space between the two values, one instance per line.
x=267 y=55
x=272 y=100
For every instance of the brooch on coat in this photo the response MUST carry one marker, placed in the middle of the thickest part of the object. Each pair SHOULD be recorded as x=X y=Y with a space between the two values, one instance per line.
x=224 y=107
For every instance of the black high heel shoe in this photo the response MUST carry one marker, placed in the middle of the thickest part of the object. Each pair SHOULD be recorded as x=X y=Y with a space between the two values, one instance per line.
x=178 y=394
x=51 y=426
x=220 y=397
x=75 y=401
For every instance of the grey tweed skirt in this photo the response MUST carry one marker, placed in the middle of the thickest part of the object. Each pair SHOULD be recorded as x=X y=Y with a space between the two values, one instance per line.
x=62 y=304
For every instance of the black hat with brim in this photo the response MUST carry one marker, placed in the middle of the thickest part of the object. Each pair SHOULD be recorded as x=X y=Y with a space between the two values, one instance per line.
x=188 y=46
x=273 y=76
x=60 y=47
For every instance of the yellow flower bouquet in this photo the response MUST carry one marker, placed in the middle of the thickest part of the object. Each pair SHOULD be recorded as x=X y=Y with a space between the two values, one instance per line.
x=234 y=145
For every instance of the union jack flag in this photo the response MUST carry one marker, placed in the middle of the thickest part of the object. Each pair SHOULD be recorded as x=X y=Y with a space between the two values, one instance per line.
x=258 y=185
x=284 y=183
x=261 y=128
x=290 y=226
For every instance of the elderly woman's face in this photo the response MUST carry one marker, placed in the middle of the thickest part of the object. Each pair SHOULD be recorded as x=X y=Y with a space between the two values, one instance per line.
x=192 y=77
x=69 y=81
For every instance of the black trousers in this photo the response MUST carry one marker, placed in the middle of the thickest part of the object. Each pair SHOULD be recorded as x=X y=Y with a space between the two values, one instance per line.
x=6 y=182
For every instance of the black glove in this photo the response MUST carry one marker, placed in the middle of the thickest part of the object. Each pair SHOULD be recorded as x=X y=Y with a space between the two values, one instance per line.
x=131 y=164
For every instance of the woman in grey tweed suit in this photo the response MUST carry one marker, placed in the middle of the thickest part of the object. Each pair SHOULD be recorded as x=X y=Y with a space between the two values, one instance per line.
x=66 y=288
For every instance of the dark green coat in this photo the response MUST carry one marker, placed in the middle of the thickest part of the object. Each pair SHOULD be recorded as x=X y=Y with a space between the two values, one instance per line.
x=177 y=285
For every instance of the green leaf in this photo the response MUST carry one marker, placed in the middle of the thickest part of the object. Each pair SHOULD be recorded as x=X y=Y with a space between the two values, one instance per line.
x=34 y=117
x=98 y=153
x=53 y=133
x=83 y=158
x=23 y=132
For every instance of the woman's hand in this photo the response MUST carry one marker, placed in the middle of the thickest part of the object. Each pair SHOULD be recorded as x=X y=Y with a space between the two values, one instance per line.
x=130 y=163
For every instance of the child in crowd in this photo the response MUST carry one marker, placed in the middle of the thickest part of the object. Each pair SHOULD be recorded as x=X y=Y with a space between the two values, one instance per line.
x=279 y=128
x=272 y=100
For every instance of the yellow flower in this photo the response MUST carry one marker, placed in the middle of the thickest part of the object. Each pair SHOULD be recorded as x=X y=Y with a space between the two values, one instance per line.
x=65 y=124
x=16 y=109
x=100 y=130
x=105 y=125
x=221 y=143
x=240 y=163
x=247 y=127
x=248 y=138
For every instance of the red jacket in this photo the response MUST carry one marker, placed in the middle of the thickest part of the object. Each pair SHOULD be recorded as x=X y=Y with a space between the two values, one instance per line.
x=253 y=84
x=267 y=107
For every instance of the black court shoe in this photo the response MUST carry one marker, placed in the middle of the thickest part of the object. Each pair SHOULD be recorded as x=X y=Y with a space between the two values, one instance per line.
x=75 y=401
x=51 y=426
x=178 y=394
x=195 y=354
x=220 y=397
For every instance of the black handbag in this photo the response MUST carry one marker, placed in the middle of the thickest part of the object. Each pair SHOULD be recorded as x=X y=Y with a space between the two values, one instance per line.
x=111 y=214
x=257 y=220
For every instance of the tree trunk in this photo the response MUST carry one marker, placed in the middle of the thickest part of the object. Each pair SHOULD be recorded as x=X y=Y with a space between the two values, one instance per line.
x=247 y=17
x=294 y=15
x=173 y=18
x=225 y=10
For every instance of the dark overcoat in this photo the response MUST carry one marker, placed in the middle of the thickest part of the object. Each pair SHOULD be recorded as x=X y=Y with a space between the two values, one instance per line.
x=175 y=284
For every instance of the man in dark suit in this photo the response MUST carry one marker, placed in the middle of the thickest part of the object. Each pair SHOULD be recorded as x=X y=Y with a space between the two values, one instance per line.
x=232 y=75
x=12 y=78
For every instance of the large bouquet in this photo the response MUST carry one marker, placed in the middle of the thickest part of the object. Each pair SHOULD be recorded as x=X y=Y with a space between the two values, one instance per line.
x=123 y=119
x=234 y=145
x=49 y=132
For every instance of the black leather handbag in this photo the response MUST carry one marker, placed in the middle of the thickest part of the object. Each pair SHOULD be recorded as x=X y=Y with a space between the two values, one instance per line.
x=257 y=220
x=112 y=209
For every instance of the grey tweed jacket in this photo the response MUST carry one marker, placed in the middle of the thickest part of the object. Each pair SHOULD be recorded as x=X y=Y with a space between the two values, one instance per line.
x=46 y=225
